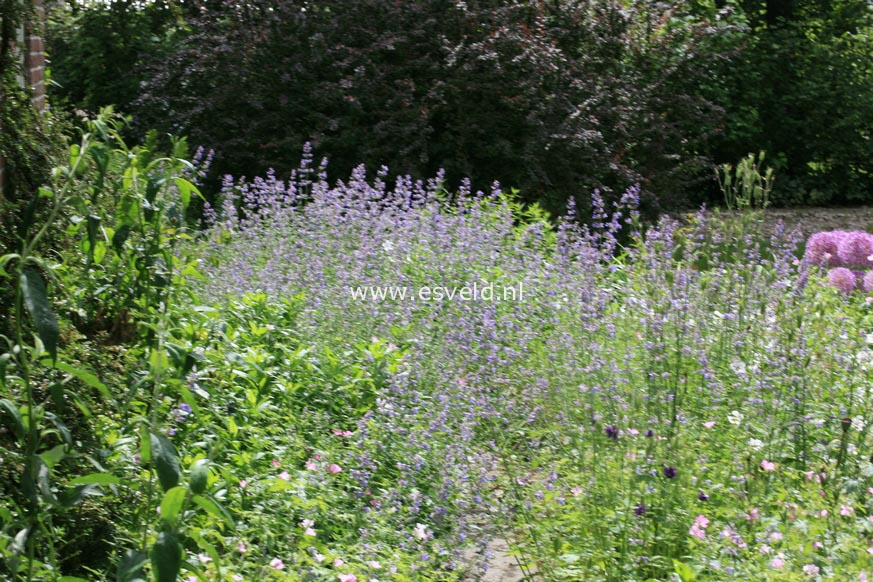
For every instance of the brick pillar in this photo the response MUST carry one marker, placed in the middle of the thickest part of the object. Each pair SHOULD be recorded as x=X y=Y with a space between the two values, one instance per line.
x=34 y=57
x=30 y=47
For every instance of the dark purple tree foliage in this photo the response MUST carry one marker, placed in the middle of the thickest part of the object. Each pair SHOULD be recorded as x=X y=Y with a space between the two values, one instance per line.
x=554 y=98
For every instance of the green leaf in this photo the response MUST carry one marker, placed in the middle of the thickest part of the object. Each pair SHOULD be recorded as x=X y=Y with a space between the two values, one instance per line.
x=684 y=571
x=213 y=507
x=54 y=456
x=172 y=503
x=85 y=376
x=166 y=557
x=166 y=461
x=74 y=496
x=93 y=227
x=12 y=412
x=37 y=303
x=185 y=190
x=130 y=567
x=95 y=479
x=120 y=236
x=145 y=444
x=199 y=476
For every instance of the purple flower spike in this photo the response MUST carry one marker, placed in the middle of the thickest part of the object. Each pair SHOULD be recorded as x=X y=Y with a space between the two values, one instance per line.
x=843 y=279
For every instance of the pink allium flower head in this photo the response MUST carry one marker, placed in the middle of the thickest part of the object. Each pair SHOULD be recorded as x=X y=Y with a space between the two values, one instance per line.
x=867 y=282
x=843 y=279
x=855 y=248
x=822 y=249
x=768 y=465
x=277 y=564
x=334 y=468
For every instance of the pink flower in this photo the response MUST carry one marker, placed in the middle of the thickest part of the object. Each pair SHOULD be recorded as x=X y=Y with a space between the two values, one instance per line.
x=275 y=462
x=709 y=424
x=811 y=570
x=243 y=484
x=777 y=562
x=843 y=279
x=855 y=249
x=284 y=476
x=765 y=549
x=347 y=578
x=753 y=515
x=846 y=510
x=577 y=491
x=824 y=513
x=697 y=532
x=342 y=433
x=309 y=532
x=203 y=558
x=374 y=564
x=277 y=564
x=241 y=548
x=768 y=465
x=821 y=248
x=311 y=465
x=333 y=468
x=338 y=563
x=701 y=521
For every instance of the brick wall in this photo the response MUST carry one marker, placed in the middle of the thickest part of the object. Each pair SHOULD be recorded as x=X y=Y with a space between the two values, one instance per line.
x=31 y=52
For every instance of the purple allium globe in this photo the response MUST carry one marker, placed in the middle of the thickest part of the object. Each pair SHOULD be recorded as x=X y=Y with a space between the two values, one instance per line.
x=867 y=282
x=843 y=279
x=822 y=248
x=855 y=249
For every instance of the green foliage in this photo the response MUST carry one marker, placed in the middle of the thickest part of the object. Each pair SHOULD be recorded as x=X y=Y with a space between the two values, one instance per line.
x=98 y=49
x=800 y=94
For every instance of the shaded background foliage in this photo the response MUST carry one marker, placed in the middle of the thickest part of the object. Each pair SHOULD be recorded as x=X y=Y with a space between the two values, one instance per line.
x=554 y=98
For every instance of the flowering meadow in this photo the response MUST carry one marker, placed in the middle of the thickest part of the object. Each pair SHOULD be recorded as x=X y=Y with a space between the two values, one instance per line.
x=686 y=400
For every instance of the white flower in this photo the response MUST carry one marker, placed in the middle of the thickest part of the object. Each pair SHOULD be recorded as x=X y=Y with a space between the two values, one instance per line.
x=735 y=417
x=420 y=531
x=756 y=444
